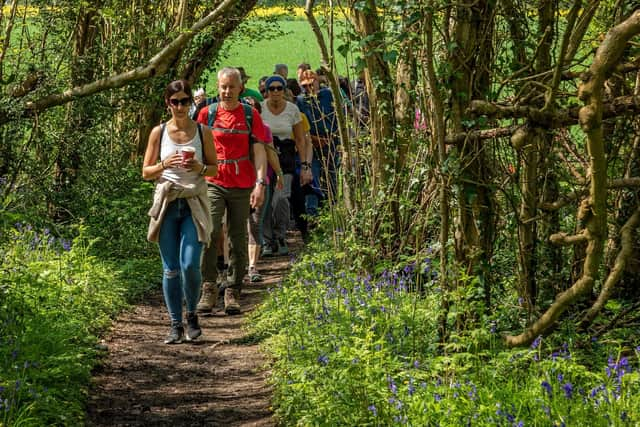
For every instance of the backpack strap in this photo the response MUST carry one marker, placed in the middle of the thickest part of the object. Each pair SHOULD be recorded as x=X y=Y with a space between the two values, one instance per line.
x=211 y=116
x=200 y=135
x=248 y=116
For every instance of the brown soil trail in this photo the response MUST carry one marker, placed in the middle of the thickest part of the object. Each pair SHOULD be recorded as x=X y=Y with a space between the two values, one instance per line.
x=220 y=380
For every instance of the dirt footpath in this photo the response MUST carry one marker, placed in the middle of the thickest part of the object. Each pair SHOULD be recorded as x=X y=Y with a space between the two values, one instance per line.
x=219 y=380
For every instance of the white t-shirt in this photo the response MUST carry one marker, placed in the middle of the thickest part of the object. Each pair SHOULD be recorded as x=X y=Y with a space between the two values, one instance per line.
x=282 y=124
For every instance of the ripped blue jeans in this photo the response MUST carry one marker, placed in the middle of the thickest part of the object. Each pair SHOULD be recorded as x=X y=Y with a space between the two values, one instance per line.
x=180 y=251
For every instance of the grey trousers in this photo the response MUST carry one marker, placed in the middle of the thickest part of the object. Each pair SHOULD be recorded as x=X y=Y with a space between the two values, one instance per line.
x=280 y=212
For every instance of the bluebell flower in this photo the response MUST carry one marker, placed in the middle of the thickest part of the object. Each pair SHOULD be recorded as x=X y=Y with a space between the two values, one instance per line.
x=373 y=410
x=560 y=377
x=494 y=327
x=323 y=359
x=416 y=364
x=408 y=269
x=547 y=387
x=568 y=390
x=437 y=397
x=392 y=385
x=536 y=342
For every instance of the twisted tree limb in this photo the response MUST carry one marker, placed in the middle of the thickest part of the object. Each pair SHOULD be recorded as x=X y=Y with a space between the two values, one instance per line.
x=617 y=107
x=591 y=93
x=562 y=239
x=626 y=243
x=157 y=65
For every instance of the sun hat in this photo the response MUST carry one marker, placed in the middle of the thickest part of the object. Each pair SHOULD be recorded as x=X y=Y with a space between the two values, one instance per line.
x=308 y=77
x=275 y=78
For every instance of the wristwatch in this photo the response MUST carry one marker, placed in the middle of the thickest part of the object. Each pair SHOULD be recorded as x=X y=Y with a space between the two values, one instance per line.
x=261 y=181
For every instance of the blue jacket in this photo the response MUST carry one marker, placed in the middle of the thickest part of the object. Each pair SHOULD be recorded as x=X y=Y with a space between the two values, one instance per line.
x=320 y=112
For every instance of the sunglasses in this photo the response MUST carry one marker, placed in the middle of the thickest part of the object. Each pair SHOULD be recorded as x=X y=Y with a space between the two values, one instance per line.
x=182 y=101
x=275 y=88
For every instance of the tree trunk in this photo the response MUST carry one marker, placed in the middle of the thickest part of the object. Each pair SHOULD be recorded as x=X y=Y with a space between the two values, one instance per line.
x=476 y=208
x=593 y=211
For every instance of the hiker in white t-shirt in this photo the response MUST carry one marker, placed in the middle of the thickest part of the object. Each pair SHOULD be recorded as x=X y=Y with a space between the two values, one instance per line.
x=283 y=117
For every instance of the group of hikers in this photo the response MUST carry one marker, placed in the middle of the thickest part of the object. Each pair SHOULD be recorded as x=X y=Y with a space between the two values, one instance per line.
x=230 y=172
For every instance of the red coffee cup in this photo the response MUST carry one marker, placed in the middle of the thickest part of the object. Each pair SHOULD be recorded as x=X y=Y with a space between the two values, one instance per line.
x=187 y=153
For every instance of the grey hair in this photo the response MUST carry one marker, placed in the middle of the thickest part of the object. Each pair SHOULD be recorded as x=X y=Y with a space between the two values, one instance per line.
x=279 y=67
x=230 y=72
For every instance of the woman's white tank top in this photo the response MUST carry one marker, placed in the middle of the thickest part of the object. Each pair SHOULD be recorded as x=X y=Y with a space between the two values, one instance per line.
x=169 y=147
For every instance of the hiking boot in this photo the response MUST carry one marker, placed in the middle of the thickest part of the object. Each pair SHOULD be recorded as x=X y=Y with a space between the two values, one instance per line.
x=193 y=328
x=267 y=250
x=209 y=297
x=254 y=276
x=231 y=305
x=283 y=249
x=175 y=334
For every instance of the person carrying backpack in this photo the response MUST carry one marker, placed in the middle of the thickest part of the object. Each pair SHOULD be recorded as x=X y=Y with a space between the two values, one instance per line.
x=283 y=117
x=238 y=135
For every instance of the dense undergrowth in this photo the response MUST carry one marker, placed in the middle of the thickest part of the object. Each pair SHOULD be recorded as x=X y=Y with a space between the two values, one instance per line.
x=56 y=299
x=60 y=288
x=362 y=350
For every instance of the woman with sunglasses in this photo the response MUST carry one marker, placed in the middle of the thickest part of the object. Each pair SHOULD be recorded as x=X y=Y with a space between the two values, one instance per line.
x=179 y=154
x=283 y=117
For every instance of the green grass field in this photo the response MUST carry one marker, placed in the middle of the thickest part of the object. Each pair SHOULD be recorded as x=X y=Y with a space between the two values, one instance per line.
x=289 y=41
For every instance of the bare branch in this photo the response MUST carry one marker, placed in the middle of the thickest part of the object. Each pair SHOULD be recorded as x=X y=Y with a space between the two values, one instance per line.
x=626 y=243
x=157 y=65
x=562 y=239
x=592 y=211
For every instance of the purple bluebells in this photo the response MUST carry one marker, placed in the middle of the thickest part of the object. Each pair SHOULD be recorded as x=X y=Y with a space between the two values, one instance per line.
x=393 y=388
x=373 y=410
x=568 y=390
x=536 y=343
x=323 y=359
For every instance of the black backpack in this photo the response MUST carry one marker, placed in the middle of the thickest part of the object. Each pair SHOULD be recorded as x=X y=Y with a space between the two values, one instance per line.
x=286 y=153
